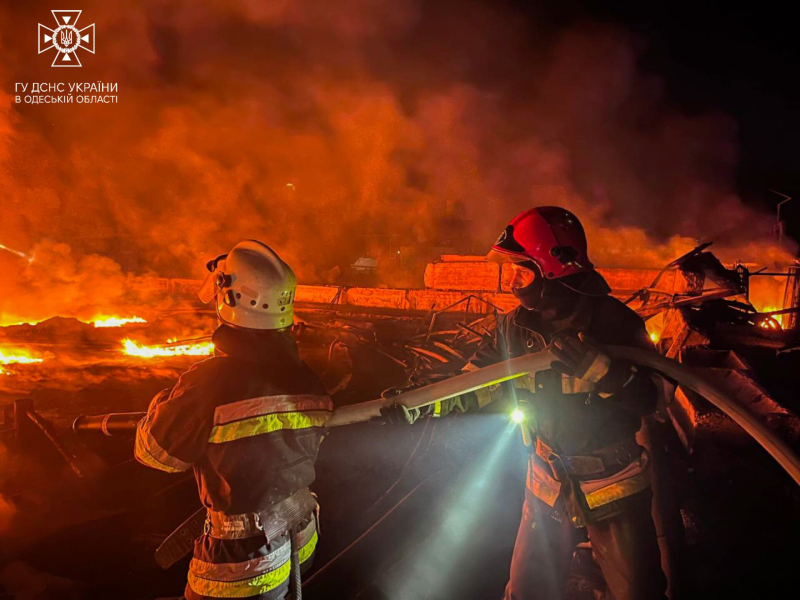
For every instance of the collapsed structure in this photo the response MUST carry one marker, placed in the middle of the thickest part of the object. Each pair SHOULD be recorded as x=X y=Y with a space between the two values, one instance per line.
x=363 y=340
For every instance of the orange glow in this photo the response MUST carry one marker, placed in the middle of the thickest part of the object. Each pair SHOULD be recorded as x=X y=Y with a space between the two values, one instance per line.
x=132 y=348
x=772 y=322
x=654 y=328
x=116 y=321
x=10 y=321
x=16 y=356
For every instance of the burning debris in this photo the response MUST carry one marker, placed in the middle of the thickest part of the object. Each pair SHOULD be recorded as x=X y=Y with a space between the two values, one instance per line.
x=403 y=139
x=116 y=321
x=171 y=348
x=359 y=347
x=15 y=356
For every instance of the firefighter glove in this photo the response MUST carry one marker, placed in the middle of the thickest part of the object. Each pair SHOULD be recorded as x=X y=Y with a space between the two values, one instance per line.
x=397 y=414
x=577 y=357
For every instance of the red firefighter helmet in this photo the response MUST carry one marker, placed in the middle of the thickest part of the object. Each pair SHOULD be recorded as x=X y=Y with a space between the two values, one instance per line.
x=551 y=237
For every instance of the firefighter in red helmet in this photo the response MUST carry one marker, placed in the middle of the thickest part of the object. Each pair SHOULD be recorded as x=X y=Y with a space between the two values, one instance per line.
x=585 y=468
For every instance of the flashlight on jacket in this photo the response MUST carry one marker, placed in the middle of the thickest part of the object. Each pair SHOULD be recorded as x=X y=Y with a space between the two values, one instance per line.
x=520 y=416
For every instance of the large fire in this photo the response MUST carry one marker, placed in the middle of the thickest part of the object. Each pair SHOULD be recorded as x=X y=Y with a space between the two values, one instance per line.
x=116 y=321
x=172 y=348
x=99 y=321
x=10 y=357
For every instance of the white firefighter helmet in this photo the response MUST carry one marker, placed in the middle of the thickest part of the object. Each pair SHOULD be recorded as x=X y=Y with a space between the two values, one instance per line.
x=252 y=286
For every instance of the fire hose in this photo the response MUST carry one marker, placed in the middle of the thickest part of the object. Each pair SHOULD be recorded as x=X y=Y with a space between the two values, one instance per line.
x=110 y=424
x=518 y=367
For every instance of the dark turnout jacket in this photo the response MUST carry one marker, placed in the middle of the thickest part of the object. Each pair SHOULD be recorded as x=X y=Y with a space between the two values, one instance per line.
x=567 y=414
x=569 y=423
x=249 y=421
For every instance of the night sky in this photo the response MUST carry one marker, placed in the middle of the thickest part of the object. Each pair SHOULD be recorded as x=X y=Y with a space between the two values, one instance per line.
x=740 y=59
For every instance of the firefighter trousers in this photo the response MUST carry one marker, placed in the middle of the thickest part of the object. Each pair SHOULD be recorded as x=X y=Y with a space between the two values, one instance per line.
x=626 y=548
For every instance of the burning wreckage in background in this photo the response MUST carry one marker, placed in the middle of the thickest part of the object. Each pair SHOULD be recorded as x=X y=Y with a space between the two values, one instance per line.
x=726 y=506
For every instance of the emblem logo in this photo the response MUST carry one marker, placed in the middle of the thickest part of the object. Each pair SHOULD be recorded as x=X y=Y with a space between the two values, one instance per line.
x=66 y=38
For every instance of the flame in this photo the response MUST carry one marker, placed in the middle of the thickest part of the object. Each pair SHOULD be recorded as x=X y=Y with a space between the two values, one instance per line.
x=771 y=322
x=11 y=321
x=654 y=328
x=104 y=321
x=131 y=348
x=8 y=357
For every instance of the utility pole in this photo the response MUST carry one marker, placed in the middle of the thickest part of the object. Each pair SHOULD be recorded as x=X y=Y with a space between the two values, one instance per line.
x=780 y=226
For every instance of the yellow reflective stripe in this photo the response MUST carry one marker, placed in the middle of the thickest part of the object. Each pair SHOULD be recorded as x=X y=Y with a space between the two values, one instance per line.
x=148 y=452
x=308 y=549
x=255 y=585
x=598 y=369
x=264 y=405
x=240 y=589
x=437 y=409
x=527 y=438
x=237 y=571
x=525 y=383
x=619 y=490
x=484 y=396
x=541 y=484
x=267 y=424
x=573 y=385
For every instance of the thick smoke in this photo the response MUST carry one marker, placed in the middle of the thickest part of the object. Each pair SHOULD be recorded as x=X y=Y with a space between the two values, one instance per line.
x=318 y=126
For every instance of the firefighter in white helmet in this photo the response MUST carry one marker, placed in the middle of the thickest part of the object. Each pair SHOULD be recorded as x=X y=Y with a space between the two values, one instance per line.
x=249 y=422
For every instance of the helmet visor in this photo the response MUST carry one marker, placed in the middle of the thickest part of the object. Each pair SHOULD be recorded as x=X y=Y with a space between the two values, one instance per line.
x=504 y=257
x=208 y=289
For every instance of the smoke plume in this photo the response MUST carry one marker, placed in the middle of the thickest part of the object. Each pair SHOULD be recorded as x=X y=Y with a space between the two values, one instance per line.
x=318 y=127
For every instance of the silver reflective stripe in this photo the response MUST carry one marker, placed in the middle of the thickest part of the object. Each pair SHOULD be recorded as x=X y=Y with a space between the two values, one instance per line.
x=569 y=385
x=541 y=484
x=305 y=536
x=263 y=405
x=598 y=369
x=149 y=452
x=573 y=385
x=256 y=566
x=242 y=570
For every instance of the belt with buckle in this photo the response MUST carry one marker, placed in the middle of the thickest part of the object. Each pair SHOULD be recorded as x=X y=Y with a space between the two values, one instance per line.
x=605 y=461
x=271 y=522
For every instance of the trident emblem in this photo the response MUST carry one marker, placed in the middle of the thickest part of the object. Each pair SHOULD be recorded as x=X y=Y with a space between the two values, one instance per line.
x=66 y=38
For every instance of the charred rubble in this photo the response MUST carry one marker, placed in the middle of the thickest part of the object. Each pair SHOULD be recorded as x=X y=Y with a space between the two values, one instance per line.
x=727 y=511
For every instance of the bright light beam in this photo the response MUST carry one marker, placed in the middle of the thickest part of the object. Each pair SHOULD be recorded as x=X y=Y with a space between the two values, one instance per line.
x=17 y=252
x=438 y=558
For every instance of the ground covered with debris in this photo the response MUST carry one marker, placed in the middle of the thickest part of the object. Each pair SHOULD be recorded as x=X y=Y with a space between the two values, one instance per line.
x=429 y=511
